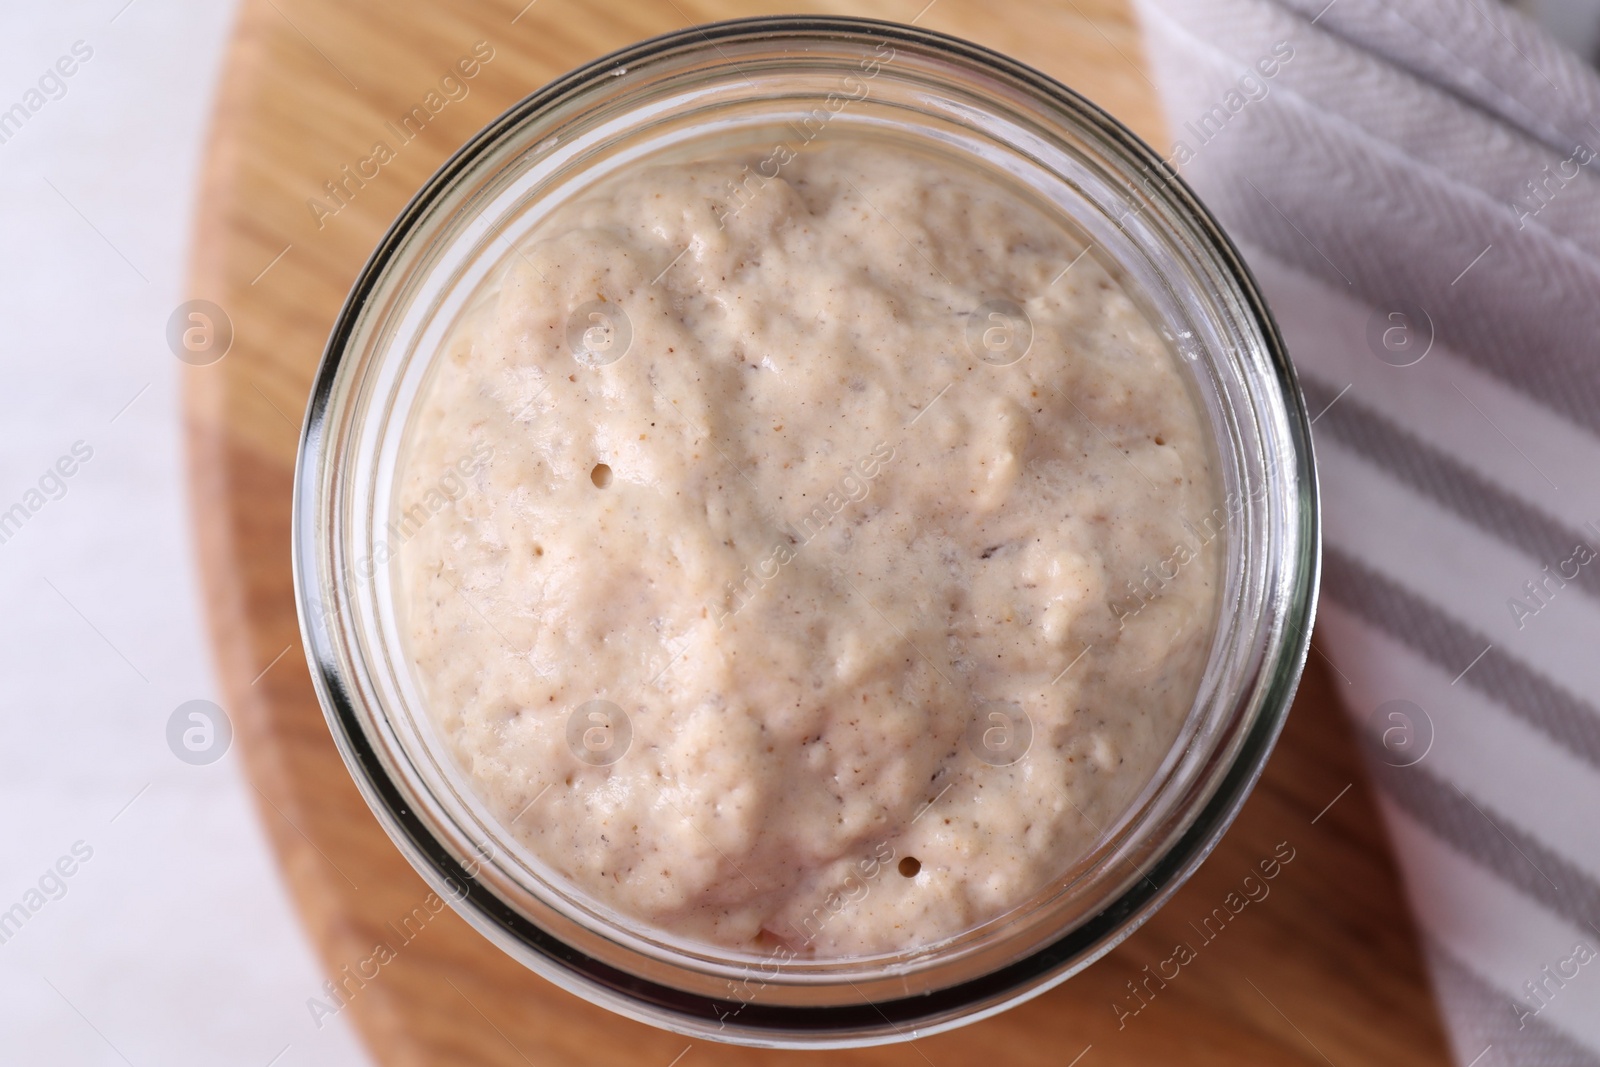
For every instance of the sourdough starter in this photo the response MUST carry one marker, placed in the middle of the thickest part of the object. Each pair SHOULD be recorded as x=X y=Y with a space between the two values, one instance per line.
x=828 y=572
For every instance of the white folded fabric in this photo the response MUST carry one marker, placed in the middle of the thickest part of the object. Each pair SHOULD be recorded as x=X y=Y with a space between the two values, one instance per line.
x=1416 y=184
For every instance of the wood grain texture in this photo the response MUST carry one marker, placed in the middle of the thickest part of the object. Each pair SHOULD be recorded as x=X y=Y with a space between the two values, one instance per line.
x=1324 y=970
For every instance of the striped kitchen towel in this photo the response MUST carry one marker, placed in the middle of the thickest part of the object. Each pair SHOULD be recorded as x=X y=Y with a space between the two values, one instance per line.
x=1415 y=184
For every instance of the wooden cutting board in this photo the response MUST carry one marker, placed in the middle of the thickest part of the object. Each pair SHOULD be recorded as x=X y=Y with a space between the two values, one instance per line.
x=1326 y=969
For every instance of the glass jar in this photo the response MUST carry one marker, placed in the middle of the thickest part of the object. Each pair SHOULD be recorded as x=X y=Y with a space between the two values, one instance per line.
x=675 y=96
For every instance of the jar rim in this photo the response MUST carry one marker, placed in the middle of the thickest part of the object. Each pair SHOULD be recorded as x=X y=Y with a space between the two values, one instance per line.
x=657 y=1001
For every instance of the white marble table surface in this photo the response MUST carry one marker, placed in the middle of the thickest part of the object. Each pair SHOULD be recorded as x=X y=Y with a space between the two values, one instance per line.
x=174 y=942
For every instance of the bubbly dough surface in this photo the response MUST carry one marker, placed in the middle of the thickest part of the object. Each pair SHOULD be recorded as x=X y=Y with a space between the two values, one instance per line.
x=743 y=631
